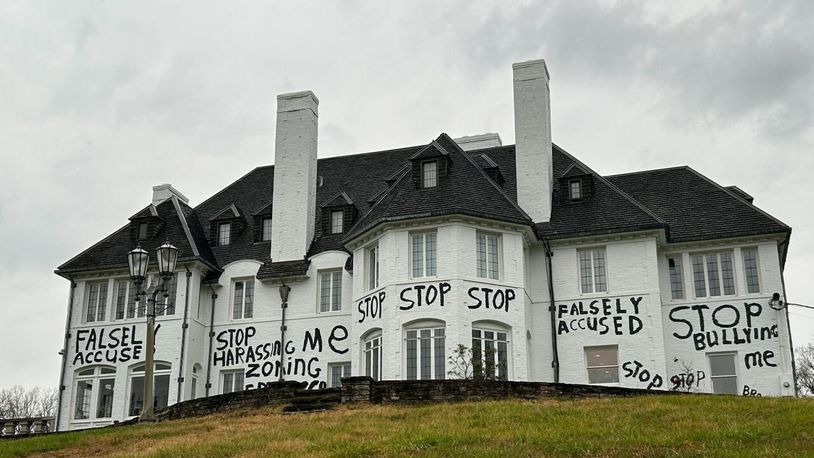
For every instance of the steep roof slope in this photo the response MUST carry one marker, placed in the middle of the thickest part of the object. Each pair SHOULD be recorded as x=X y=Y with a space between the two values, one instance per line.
x=608 y=210
x=380 y=187
x=111 y=252
x=248 y=194
x=695 y=207
x=465 y=190
x=361 y=177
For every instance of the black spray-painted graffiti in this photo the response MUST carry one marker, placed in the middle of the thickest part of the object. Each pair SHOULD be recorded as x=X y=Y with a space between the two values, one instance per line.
x=371 y=306
x=600 y=316
x=424 y=295
x=687 y=381
x=106 y=345
x=759 y=359
x=725 y=322
x=436 y=294
x=498 y=299
x=750 y=391
x=636 y=370
x=261 y=359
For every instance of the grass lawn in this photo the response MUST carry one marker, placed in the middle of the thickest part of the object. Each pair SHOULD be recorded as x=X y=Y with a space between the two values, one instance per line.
x=640 y=426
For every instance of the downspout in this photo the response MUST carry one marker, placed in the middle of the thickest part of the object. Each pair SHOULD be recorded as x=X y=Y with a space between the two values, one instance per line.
x=184 y=326
x=64 y=353
x=552 y=308
x=211 y=336
x=788 y=324
x=284 y=306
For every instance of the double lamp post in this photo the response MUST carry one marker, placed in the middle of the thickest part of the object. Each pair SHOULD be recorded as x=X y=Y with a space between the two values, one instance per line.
x=137 y=260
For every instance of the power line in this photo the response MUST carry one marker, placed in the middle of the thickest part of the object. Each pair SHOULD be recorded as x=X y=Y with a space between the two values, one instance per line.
x=801 y=305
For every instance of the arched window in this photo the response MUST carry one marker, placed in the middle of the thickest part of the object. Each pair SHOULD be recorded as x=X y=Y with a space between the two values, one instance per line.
x=161 y=387
x=491 y=350
x=94 y=388
x=424 y=343
x=372 y=350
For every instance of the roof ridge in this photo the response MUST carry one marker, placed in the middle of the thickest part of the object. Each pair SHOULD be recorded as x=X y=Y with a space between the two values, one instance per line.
x=111 y=235
x=232 y=184
x=568 y=170
x=235 y=211
x=488 y=160
x=343 y=194
x=379 y=201
x=150 y=206
x=262 y=208
x=185 y=226
x=404 y=148
x=734 y=196
x=489 y=180
x=663 y=169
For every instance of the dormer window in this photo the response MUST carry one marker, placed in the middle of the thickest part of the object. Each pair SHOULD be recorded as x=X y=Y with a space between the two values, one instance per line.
x=142 y=231
x=145 y=224
x=429 y=174
x=575 y=189
x=224 y=234
x=228 y=224
x=266 y=234
x=576 y=184
x=430 y=165
x=337 y=216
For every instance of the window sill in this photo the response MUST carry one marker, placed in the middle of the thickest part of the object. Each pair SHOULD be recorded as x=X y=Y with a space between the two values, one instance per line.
x=92 y=421
x=599 y=294
x=425 y=278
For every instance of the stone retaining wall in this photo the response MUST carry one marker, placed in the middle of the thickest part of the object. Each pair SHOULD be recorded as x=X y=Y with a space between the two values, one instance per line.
x=355 y=390
x=293 y=394
x=365 y=389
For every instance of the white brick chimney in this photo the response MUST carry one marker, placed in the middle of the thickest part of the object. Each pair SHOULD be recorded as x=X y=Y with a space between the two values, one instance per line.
x=164 y=191
x=475 y=142
x=295 y=176
x=532 y=127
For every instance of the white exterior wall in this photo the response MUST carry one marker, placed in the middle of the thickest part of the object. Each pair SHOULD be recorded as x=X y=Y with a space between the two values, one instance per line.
x=628 y=313
x=636 y=267
x=541 y=352
x=457 y=275
x=103 y=343
x=695 y=327
x=328 y=331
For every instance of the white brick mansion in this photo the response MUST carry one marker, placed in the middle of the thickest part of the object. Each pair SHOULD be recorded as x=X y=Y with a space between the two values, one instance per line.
x=548 y=271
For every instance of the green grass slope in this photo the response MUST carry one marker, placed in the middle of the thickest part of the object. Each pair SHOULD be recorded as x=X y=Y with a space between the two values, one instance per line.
x=639 y=426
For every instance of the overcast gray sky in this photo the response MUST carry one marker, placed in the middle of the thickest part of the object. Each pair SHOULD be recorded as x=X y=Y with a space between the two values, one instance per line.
x=99 y=101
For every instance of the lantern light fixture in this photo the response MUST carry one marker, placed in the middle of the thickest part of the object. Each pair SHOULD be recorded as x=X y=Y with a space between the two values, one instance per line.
x=167 y=256
x=137 y=260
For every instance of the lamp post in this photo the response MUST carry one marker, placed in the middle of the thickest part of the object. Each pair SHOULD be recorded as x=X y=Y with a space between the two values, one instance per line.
x=137 y=260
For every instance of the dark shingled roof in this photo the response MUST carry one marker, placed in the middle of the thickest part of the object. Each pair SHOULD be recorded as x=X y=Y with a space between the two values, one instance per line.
x=380 y=186
x=608 y=209
x=283 y=269
x=695 y=207
x=111 y=252
x=466 y=190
